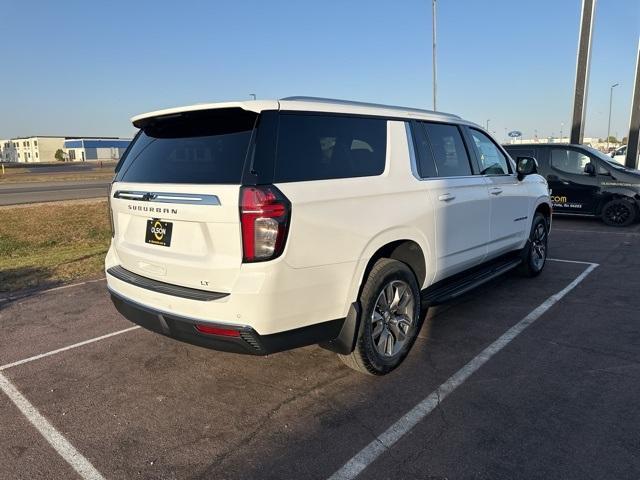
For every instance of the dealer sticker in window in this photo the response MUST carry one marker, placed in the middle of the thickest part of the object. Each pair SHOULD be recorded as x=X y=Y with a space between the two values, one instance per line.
x=158 y=232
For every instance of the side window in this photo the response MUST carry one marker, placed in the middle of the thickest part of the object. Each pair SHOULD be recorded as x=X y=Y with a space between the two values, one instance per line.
x=424 y=156
x=321 y=147
x=602 y=170
x=569 y=161
x=492 y=160
x=448 y=150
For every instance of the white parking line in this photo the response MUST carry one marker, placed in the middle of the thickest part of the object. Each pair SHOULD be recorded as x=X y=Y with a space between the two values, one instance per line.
x=60 y=444
x=395 y=432
x=607 y=232
x=579 y=262
x=64 y=349
x=40 y=292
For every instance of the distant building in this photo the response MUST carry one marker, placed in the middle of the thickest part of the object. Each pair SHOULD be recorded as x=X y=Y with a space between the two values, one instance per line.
x=91 y=149
x=43 y=148
x=30 y=149
x=589 y=141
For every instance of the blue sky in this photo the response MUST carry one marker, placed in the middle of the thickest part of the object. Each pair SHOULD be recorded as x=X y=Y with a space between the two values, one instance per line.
x=84 y=68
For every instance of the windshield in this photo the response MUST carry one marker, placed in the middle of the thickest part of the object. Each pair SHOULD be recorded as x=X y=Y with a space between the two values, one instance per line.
x=605 y=158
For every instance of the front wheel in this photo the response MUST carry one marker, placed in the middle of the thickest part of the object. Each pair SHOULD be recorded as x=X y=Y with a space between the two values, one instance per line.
x=535 y=253
x=390 y=302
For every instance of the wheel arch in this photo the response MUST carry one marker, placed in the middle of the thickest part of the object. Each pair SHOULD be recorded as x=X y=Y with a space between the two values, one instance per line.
x=615 y=195
x=404 y=245
x=545 y=209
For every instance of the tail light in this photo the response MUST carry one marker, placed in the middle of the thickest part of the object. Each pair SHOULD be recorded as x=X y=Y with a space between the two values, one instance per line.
x=264 y=215
x=113 y=230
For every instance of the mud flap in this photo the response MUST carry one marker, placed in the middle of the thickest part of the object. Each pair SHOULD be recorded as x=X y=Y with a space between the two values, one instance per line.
x=345 y=342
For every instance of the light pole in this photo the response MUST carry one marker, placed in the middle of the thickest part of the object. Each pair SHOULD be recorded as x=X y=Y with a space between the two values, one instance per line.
x=487 y=129
x=433 y=41
x=610 y=104
x=561 y=127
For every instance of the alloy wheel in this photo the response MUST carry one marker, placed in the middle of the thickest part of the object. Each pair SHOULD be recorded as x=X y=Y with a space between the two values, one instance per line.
x=392 y=318
x=539 y=246
x=618 y=213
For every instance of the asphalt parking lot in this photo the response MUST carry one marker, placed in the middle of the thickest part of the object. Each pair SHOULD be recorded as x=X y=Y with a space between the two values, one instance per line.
x=558 y=400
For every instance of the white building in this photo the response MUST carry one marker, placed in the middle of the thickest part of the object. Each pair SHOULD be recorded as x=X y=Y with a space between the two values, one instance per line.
x=30 y=149
x=44 y=148
x=84 y=149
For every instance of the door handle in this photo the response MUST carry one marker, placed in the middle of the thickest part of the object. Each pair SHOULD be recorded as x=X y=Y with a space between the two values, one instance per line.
x=446 y=197
x=495 y=191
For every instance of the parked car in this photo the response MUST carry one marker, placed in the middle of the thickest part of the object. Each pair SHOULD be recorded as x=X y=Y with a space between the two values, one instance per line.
x=262 y=226
x=585 y=181
x=620 y=154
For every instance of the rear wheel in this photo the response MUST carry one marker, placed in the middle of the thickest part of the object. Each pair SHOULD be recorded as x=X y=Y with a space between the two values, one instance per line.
x=390 y=302
x=618 y=212
x=535 y=254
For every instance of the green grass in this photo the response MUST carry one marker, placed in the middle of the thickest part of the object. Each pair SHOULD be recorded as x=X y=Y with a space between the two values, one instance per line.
x=46 y=245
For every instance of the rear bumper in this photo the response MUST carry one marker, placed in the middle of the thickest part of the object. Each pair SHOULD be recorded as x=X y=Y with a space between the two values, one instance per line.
x=247 y=341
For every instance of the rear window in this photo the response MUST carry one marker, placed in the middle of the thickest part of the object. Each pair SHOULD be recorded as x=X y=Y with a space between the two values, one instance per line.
x=192 y=147
x=321 y=147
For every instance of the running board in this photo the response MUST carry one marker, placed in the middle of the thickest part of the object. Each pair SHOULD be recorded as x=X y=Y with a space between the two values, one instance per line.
x=451 y=289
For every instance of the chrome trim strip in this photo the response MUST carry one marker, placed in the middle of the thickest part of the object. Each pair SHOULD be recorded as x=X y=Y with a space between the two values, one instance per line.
x=182 y=198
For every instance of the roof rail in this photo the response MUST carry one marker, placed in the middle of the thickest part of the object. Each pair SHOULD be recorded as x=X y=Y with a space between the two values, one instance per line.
x=365 y=104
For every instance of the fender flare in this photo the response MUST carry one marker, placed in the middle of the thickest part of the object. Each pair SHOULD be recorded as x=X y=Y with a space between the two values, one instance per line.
x=383 y=238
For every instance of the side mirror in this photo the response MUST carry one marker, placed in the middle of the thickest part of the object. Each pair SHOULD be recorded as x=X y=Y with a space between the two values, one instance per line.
x=526 y=166
x=590 y=169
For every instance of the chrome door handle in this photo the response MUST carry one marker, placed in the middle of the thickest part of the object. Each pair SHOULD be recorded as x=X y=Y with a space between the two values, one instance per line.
x=495 y=191
x=446 y=197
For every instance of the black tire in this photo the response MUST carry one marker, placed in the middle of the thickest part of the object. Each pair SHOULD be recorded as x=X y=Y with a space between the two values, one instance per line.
x=387 y=276
x=618 y=212
x=534 y=256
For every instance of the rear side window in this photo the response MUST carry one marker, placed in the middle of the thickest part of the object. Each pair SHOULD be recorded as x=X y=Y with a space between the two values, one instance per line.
x=321 y=147
x=448 y=149
x=193 y=147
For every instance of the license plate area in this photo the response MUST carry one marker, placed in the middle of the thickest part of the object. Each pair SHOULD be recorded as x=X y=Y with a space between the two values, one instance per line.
x=158 y=232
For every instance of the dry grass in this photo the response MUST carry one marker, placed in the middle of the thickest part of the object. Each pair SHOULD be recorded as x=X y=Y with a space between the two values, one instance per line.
x=20 y=175
x=48 y=244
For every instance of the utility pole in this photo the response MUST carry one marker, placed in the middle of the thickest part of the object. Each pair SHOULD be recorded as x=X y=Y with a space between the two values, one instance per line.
x=488 y=120
x=561 y=127
x=634 y=122
x=610 y=104
x=582 y=71
x=434 y=66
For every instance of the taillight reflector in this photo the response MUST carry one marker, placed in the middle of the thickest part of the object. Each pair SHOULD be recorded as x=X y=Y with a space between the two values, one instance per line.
x=222 y=332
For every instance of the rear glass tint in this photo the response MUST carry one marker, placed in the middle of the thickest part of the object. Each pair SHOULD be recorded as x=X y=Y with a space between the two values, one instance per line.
x=321 y=147
x=193 y=147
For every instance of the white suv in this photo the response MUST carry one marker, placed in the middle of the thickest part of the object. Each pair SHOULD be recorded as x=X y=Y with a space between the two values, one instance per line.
x=262 y=226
